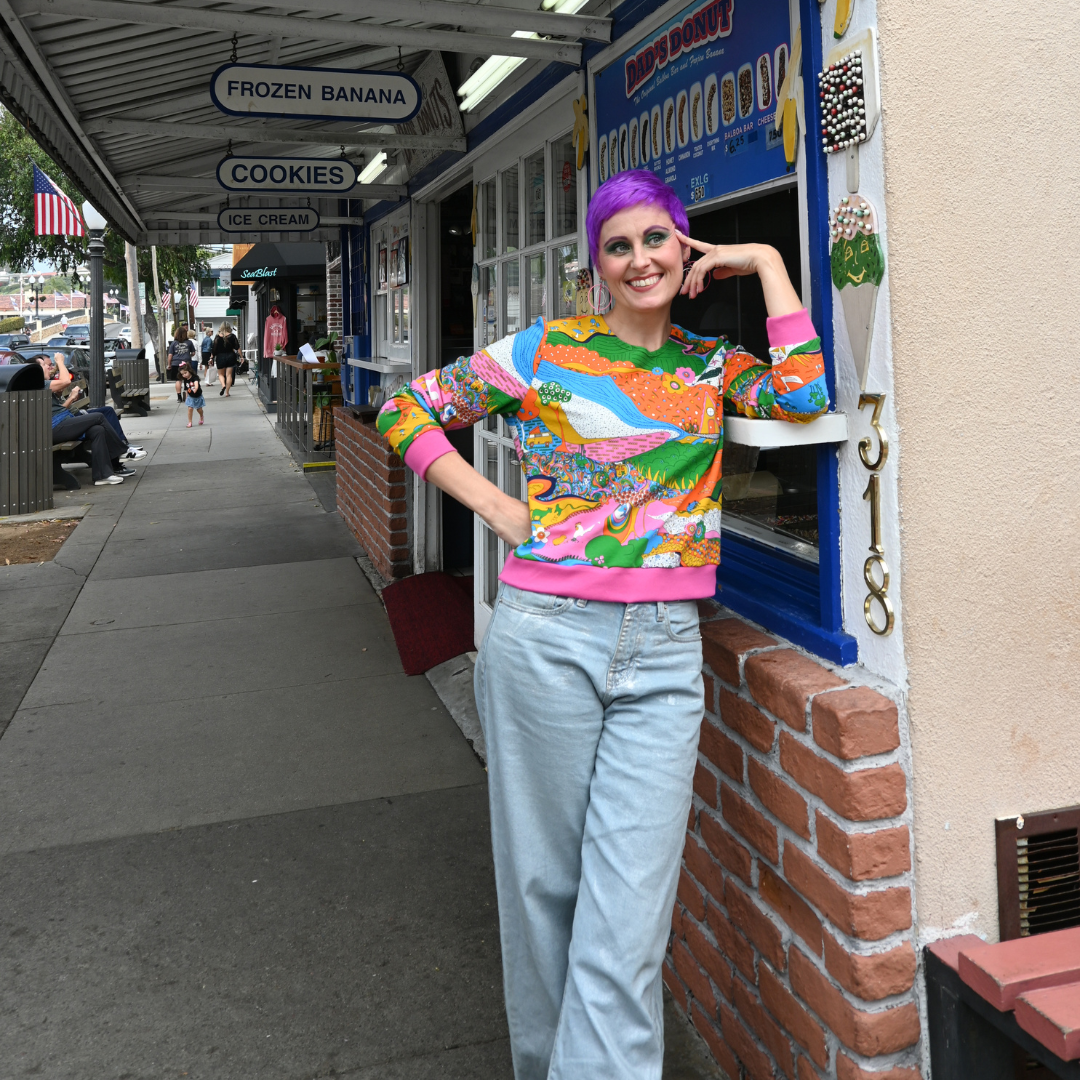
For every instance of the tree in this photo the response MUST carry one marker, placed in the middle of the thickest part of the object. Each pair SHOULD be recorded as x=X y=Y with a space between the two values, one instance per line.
x=177 y=265
x=19 y=247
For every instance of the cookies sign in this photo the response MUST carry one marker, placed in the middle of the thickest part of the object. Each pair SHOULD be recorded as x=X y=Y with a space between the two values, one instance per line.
x=695 y=101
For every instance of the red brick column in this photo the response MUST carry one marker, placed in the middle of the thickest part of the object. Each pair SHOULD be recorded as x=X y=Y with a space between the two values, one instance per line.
x=372 y=485
x=792 y=949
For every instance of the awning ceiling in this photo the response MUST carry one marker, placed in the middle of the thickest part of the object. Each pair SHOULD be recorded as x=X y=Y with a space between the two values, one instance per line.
x=117 y=91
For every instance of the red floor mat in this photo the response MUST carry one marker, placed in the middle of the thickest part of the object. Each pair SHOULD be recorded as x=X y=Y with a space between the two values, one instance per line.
x=432 y=619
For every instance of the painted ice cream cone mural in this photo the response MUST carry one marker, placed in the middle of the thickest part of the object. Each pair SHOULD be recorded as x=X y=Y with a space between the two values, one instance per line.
x=789 y=96
x=858 y=265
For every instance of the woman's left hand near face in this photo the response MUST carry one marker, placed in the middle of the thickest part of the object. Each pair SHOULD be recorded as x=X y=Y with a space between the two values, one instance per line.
x=720 y=260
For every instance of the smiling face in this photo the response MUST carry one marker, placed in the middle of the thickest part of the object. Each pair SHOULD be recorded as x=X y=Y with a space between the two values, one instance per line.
x=641 y=259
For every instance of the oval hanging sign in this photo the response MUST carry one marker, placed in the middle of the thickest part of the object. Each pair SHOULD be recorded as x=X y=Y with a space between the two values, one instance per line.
x=271 y=219
x=286 y=175
x=314 y=93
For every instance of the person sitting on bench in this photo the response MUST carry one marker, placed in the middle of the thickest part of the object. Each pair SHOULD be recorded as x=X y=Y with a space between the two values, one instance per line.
x=105 y=446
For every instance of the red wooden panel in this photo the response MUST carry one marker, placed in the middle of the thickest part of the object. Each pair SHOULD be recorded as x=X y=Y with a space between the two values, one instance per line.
x=1053 y=1017
x=947 y=950
x=1000 y=973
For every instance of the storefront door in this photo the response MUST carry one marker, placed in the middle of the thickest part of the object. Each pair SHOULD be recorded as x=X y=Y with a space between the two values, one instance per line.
x=528 y=253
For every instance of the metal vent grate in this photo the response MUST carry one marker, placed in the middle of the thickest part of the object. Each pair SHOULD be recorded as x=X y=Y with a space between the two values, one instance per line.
x=1038 y=865
x=1048 y=875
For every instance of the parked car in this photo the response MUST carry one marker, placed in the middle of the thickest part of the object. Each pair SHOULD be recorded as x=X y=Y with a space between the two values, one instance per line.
x=79 y=331
x=125 y=332
x=60 y=339
x=13 y=341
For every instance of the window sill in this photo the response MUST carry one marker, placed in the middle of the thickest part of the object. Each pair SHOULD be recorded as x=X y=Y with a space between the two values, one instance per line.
x=387 y=367
x=829 y=428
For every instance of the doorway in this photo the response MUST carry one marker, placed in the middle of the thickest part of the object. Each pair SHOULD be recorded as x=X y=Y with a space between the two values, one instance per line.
x=456 y=340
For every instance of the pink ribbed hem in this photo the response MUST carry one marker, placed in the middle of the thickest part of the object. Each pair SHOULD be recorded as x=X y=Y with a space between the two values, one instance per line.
x=791 y=329
x=619 y=585
x=427 y=447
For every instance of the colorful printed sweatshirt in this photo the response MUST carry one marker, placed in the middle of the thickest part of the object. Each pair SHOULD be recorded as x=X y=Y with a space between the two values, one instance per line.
x=621 y=447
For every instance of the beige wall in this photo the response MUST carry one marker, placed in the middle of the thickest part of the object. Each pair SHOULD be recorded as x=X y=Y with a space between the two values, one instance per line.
x=982 y=160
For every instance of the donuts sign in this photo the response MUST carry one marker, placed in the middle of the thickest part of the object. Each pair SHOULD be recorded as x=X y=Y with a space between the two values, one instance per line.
x=709 y=22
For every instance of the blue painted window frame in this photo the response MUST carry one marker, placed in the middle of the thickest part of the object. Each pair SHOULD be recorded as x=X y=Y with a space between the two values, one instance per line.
x=762 y=583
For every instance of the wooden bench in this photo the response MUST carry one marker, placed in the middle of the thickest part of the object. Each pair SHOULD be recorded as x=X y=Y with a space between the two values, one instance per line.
x=990 y=1007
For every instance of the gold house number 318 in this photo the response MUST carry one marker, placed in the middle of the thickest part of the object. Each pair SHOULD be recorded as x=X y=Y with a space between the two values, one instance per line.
x=879 y=592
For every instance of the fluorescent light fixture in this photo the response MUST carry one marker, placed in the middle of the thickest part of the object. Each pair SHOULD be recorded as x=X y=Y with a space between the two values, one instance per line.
x=493 y=71
x=566 y=7
x=372 y=168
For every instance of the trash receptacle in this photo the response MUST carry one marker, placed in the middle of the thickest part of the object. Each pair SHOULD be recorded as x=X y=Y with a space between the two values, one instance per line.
x=25 y=440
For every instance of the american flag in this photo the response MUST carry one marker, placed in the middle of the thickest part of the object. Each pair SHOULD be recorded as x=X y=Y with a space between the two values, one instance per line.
x=166 y=300
x=193 y=296
x=54 y=213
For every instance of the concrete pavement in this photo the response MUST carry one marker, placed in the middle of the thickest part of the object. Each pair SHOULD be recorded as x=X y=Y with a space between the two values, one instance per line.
x=235 y=839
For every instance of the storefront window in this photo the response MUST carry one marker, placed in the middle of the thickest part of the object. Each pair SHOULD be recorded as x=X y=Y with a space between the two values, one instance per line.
x=512 y=284
x=534 y=199
x=489 y=207
x=511 y=211
x=565 y=261
x=309 y=324
x=404 y=291
x=489 y=323
x=537 y=297
x=564 y=187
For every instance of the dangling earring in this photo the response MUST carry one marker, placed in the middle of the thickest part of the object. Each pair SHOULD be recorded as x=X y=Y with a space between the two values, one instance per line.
x=687 y=267
x=600 y=298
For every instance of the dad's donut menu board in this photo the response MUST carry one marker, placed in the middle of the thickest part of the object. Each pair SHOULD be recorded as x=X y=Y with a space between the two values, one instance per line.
x=695 y=100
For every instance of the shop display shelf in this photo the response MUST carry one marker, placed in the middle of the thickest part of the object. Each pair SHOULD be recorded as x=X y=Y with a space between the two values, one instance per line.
x=381 y=364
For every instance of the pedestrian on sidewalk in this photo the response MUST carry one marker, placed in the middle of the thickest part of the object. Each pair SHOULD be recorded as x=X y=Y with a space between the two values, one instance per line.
x=180 y=349
x=225 y=351
x=588 y=681
x=206 y=365
x=193 y=395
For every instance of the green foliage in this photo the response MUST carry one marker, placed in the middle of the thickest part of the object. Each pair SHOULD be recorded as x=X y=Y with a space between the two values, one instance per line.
x=11 y=324
x=19 y=247
x=177 y=265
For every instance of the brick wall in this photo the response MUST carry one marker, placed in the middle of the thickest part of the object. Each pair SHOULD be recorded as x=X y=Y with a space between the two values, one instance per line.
x=792 y=949
x=333 y=297
x=372 y=490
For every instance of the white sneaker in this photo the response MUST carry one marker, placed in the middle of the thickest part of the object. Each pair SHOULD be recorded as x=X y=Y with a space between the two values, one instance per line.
x=114 y=479
x=134 y=453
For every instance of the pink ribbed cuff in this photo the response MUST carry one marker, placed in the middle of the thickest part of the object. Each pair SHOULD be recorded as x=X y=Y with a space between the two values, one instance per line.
x=791 y=329
x=427 y=447
x=617 y=584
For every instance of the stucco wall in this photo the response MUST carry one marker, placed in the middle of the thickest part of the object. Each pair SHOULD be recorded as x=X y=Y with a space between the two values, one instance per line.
x=981 y=163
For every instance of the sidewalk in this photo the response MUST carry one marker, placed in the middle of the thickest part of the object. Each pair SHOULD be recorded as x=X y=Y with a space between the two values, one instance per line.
x=236 y=841
x=232 y=844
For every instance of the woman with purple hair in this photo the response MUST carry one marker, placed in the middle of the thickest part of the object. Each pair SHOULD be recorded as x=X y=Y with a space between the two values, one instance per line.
x=588 y=682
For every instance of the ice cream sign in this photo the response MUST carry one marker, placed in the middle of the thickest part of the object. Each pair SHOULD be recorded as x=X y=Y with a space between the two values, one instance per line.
x=695 y=101
x=314 y=93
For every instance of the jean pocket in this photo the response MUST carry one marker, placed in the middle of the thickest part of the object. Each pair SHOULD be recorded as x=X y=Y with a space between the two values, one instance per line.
x=681 y=620
x=533 y=603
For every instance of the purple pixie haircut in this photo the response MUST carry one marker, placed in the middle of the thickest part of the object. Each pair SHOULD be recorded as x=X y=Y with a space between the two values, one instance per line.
x=631 y=188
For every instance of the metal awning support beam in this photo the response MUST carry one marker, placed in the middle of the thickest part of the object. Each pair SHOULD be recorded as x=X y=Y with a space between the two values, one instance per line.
x=199 y=185
x=483 y=16
x=296 y=26
x=257 y=134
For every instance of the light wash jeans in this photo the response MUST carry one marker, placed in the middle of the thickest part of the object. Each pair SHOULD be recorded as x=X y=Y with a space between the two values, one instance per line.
x=591 y=713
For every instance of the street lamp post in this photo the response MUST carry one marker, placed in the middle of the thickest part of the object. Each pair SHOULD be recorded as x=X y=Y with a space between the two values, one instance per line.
x=96 y=224
x=37 y=284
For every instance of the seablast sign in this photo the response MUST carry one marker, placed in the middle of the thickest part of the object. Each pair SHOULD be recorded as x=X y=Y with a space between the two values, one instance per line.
x=314 y=93
x=271 y=219
x=274 y=174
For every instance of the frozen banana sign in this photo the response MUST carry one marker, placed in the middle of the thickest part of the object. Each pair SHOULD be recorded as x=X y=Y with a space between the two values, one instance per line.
x=695 y=100
x=314 y=93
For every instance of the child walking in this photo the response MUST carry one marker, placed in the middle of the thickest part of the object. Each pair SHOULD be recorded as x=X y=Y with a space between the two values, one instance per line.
x=193 y=395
